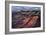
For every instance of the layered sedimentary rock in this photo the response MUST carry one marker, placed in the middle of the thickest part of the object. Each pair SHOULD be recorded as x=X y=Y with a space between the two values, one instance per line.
x=26 y=19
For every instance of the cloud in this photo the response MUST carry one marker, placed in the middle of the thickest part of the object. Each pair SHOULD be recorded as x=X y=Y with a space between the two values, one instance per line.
x=15 y=8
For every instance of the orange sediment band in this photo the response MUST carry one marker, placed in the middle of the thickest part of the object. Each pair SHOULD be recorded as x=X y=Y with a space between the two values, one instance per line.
x=32 y=21
x=29 y=22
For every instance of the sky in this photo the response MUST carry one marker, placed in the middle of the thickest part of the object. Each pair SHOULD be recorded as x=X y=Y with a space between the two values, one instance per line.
x=15 y=8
